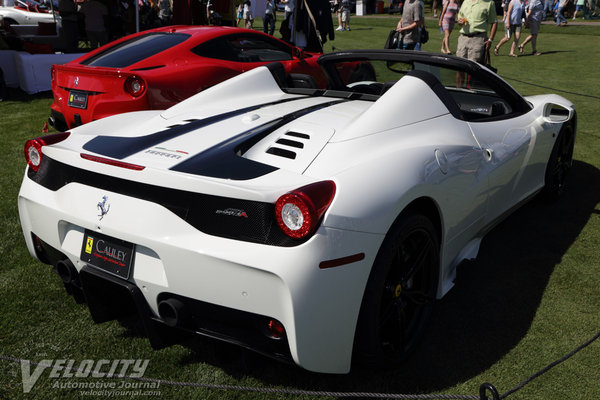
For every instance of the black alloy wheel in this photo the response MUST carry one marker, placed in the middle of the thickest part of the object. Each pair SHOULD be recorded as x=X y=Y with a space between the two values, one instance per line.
x=561 y=161
x=400 y=293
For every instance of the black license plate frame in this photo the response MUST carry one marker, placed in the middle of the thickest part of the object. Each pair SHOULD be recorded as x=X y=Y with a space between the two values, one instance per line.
x=107 y=253
x=78 y=99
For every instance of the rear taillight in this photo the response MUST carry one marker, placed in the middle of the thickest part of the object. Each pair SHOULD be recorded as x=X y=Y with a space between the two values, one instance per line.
x=33 y=148
x=135 y=86
x=299 y=212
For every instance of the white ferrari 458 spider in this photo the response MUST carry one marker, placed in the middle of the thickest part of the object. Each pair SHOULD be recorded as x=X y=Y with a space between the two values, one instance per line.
x=312 y=225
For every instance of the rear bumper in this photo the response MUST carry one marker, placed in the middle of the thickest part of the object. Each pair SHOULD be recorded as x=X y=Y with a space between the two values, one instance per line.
x=58 y=121
x=100 y=105
x=231 y=289
x=111 y=298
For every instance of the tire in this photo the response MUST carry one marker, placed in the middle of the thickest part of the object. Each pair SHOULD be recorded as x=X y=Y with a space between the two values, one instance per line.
x=400 y=293
x=559 y=164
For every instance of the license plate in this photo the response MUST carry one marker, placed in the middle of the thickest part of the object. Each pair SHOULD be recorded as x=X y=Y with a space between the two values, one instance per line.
x=78 y=99
x=112 y=255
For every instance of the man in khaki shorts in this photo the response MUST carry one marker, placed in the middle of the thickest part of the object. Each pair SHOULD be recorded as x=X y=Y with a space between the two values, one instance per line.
x=475 y=17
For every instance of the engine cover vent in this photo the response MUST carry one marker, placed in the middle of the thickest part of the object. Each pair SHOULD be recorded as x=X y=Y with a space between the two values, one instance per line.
x=278 y=151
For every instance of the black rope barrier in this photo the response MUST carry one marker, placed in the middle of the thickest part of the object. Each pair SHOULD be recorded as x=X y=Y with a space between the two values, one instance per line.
x=484 y=389
x=254 y=389
x=550 y=366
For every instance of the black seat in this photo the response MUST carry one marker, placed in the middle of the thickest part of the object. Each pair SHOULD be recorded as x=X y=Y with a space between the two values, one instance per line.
x=301 y=81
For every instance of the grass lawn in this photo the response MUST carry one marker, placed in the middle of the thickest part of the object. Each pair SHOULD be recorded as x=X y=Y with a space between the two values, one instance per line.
x=531 y=297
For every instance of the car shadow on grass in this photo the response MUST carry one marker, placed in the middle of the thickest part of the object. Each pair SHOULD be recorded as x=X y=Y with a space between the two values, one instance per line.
x=486 y=314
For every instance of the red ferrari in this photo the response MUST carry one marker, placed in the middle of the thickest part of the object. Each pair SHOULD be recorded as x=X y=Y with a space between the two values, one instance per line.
x=158 y=68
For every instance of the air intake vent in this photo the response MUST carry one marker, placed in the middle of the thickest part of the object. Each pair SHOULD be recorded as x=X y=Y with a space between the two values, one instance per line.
x=291 y=143
x=282 y=152
x=298 y=135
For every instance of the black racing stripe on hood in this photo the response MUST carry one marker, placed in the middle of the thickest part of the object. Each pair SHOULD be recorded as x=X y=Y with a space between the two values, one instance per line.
x=225 y=161
x=122 y=147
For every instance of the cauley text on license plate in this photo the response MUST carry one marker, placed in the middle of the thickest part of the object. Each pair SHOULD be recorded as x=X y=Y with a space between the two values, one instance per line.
x=110 y=254
x=78 y=99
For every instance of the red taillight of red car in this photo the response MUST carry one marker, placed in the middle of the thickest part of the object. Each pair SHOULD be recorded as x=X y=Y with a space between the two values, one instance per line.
x=135 y=86
x=33 y=148
x=298 y=212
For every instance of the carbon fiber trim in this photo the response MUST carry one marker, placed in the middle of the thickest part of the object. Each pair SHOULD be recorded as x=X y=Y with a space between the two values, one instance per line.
x=249 y=221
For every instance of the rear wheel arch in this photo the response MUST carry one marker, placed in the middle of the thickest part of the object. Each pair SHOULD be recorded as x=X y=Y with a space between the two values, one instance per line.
x=428 y=208
x=560 y=161
x=420 y=221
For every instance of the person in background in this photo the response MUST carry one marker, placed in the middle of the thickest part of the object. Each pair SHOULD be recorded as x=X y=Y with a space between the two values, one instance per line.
x=513 y=20
x=345 y=5
x=579 y=6
x=288 y=9
x=239 y=14
x=412 y=17
x=434 y=8
x=337 y=6
x=165 y=13
x=548 y=8
x=287 y=25
x=269 y=18
x=475 y=18
x=535 y=14
x=67 y=9
x=248 y=17
x=446 y=22
x=505 y=4
x=95 y=12
x=560 y=8
x=593 y=8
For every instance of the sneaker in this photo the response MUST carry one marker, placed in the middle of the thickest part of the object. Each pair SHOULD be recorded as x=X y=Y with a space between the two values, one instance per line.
x=348 y=29
x=339 y=28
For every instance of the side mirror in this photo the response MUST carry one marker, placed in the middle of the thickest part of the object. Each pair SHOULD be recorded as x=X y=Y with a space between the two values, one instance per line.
x=556 y=114
x=299 y=53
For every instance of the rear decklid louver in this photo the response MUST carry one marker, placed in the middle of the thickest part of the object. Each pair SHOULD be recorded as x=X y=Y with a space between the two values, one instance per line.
x=288 y=145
